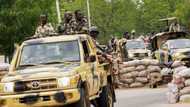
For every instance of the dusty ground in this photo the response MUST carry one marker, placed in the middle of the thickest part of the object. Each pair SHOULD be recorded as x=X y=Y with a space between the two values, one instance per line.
x=144 y=97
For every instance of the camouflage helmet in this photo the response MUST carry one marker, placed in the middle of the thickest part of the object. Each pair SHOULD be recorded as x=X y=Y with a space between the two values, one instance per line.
x=43 y=16
x=93 y=31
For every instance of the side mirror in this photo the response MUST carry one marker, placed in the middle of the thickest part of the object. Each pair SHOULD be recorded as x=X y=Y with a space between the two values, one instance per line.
x=92 y=58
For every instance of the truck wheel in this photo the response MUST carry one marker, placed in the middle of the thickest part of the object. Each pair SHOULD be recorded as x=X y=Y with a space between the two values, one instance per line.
x=84 y=99
x=106 y=98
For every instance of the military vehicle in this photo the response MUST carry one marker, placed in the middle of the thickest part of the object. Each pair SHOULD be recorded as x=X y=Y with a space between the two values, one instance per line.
x=57 y=71
x=171 y=46
x=136 y=49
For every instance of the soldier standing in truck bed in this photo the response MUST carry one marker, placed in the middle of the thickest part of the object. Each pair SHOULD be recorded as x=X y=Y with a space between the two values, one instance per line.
x=45 y=28
x=81 y=21
x=68 y=24
x=73 y=23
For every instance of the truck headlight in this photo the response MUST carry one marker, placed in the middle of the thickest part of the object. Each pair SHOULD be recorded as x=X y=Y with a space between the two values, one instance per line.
x=63 y=82
x=131 y=55
x=8 y=87
x=70 y=82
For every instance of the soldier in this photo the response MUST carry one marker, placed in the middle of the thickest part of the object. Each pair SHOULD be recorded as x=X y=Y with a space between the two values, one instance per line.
x=45 y=28
x=133 y=34
x=81 y=21
x=94 y=34
x=112 y=45
x=174 y=27
x=121 y=49
x=68 y=24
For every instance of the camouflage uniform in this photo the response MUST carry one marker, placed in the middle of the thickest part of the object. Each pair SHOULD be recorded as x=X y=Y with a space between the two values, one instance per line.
x=68 y=24
x=81 y=22
x=121 y=50
x=45 y=30
x=73 y=24
x=174 y=27
x=70 y=27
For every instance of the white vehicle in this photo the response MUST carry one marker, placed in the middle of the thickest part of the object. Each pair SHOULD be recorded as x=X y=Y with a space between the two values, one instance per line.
x=137 y=49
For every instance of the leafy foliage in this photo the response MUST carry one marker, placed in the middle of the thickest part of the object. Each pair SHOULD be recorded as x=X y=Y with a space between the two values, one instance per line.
x=19 y=18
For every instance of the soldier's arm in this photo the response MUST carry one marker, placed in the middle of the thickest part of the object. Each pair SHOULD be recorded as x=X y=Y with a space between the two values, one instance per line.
x=50 y=27
x=37 y=31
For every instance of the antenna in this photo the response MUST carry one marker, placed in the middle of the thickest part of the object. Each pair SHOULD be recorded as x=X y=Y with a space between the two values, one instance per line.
x=88 y=10
x=58 y=11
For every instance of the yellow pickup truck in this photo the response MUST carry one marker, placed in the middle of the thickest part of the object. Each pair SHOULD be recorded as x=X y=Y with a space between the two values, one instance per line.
x=57 y=71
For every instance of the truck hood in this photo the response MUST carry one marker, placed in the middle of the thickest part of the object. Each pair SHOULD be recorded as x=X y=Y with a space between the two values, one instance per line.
x=181 y=50
x=47 y=71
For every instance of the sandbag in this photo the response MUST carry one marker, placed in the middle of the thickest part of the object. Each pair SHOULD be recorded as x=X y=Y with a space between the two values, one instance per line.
x=136 y=84
x=172 y=88
x=127 y=81
x=126 y=76
x=166 y=71
x=177 y=79
x=142 y=79
x=150 y=62
x=184 y=91
x=122 y=85
x=185 y=73
x=179 y=68
x=143 y=73
x=125 y=85
x=135 y=73
x=172 y=97
x=155 y=77
x=152 y=68
x=185 y=98
x=131 y=63
x=140 y=68
x=177 y=64
x=187 y=83
x=173 y=93
x=127 y=69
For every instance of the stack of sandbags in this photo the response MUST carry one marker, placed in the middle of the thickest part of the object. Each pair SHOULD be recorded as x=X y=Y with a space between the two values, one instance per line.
x=170 y=69
x=137 y=73
x=174 y=87
x=178 y=66
x=185 y=91
x=181 y=80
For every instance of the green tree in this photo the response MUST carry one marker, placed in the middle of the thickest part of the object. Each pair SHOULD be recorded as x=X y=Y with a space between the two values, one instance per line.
x=19 y=18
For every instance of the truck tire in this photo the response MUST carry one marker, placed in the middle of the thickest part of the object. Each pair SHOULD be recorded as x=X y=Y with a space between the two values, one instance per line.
x=106 y=98
x=84 y=99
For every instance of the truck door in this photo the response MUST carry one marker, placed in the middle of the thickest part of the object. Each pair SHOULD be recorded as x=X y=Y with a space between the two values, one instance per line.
x=92 y=67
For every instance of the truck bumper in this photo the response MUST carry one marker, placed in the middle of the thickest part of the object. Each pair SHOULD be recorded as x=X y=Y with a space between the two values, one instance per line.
x=48 y=99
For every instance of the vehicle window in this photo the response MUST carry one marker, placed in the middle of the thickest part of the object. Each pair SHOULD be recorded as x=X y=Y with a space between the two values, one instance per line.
x=135 y=45
x=50 y=52
x=179 y=44
x=86 y=50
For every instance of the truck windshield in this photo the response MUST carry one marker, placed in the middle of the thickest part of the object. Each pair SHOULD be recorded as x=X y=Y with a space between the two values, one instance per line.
x=135 y=45
x=49 y=53
x=179 y=44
